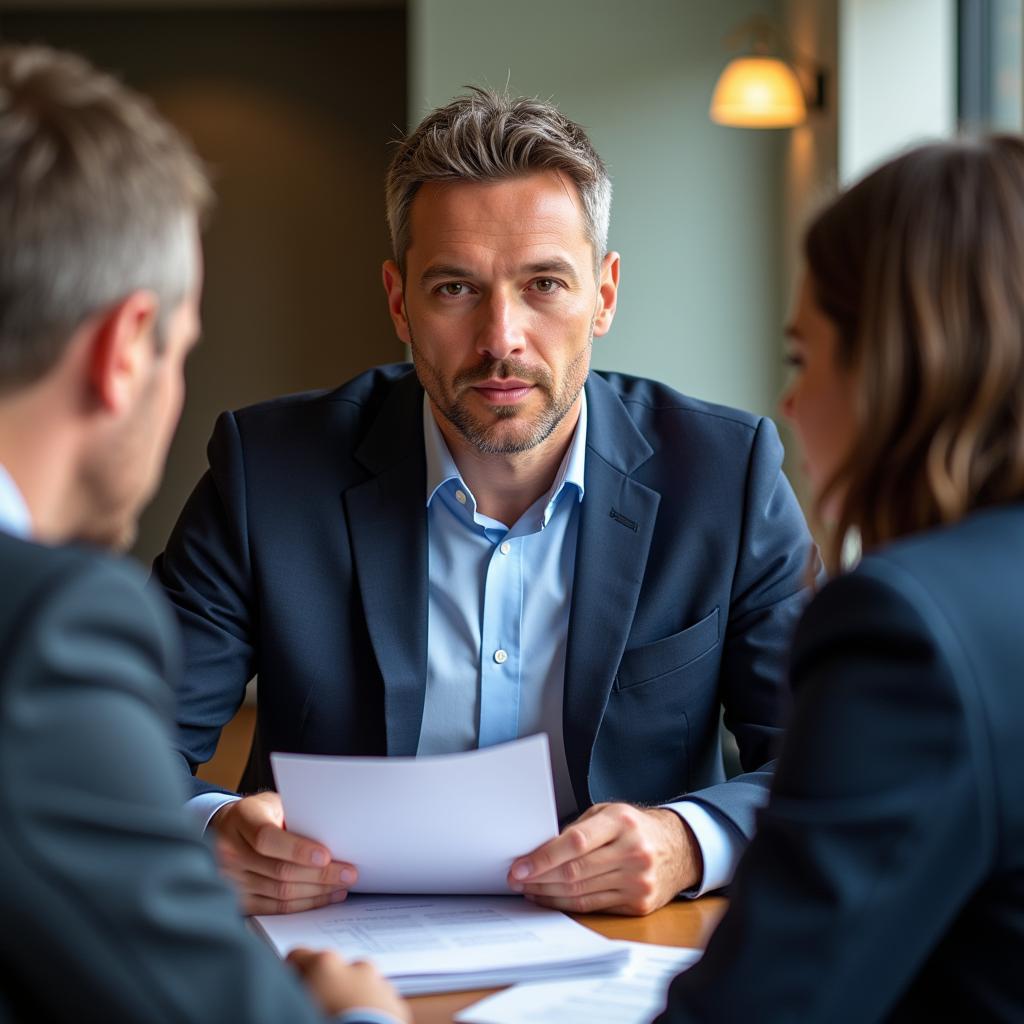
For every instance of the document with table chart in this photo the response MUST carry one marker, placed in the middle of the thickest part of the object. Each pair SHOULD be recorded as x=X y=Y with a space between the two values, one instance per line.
x=633 y=996
x=449 y=943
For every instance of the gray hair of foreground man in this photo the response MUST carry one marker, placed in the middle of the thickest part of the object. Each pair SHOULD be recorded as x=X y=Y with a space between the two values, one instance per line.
x=484 y=136
x=98 y=195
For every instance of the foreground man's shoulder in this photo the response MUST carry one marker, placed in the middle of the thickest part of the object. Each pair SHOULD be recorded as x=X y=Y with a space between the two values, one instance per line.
x=38 y=572
x=75 y=601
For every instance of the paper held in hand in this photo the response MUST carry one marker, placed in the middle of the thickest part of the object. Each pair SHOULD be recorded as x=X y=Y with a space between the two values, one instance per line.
x=451 y=823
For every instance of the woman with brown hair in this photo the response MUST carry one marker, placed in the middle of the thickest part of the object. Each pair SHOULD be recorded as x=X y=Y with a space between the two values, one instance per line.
x=886 y=880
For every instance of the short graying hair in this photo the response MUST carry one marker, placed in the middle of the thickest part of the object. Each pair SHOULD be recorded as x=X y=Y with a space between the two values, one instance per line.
x=485 y=136
x=98 y=195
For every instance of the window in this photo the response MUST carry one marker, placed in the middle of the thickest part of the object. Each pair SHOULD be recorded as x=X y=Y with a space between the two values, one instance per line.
x=991 y=48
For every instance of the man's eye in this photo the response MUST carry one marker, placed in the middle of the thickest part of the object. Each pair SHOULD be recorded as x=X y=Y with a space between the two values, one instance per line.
x=794 y=360
x=546 y=285
x=452 y=288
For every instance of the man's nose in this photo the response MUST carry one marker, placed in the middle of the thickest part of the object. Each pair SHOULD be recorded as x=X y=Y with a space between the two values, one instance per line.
x=502 y=330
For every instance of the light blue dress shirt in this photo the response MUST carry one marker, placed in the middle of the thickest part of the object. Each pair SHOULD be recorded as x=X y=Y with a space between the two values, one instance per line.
x=498 y=610
x=364 y=1015
x=497 y=622
x=15 y=517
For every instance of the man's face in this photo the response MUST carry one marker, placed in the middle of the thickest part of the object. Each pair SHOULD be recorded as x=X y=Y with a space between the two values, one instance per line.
x=127 y=468
x=500 y=304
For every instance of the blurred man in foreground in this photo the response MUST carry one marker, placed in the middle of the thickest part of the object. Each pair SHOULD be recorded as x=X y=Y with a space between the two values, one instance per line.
x=105 y=885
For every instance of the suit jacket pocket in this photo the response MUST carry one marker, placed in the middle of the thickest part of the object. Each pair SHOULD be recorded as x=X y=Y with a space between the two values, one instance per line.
x=642 y=664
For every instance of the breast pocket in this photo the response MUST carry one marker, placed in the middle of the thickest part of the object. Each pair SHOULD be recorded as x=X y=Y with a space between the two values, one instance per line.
x=642 y=664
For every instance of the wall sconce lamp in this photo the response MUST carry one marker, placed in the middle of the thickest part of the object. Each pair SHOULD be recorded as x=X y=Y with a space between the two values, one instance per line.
x=760 y=90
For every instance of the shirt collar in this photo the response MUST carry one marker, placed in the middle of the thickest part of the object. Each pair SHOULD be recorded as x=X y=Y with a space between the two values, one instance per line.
x=15 y=517
x=441 y=466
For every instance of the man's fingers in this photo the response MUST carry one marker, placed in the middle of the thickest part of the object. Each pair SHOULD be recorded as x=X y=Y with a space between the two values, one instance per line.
x=612 y=856
x=302 y=959
x=275 y=871
x=603 y=881
x=260 y=823
x=609 y=901
x=238 y=863
x=267 y=905
x=577 y=840
x=285 y=892
x=270 y=840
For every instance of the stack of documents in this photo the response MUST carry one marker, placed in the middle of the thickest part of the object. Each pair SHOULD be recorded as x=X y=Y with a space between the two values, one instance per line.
x=448 y=943
x=451 y=825
x=634 y=996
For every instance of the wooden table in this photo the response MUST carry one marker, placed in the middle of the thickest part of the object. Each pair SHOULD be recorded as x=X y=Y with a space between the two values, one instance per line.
x=682 y=923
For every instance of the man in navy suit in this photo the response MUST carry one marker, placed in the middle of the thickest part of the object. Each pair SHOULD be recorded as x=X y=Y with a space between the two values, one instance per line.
x=496 y=542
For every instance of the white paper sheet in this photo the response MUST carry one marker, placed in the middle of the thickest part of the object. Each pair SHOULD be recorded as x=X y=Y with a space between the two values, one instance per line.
x=446 y=824
x=634 y=996
x=447 y=943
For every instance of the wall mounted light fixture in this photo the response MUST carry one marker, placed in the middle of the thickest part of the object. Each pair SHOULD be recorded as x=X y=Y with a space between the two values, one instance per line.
x=760 y=89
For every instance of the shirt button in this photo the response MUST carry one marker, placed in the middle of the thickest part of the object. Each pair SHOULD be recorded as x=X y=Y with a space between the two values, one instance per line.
x=460 y=497
x=505 y=548
x=500 y=656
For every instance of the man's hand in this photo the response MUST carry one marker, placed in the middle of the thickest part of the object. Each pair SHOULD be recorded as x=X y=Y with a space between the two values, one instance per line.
x=339 y=986
x=275 y=872
x=615 y=858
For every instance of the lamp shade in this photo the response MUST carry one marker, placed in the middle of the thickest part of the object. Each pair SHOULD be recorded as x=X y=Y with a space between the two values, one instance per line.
x=758 y=92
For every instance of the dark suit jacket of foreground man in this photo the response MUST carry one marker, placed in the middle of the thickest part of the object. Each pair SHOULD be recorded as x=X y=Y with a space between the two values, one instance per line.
x=111 y=906
x=302 y=556
x=886 y=880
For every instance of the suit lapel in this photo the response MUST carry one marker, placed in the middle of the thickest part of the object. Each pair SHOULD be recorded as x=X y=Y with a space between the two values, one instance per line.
x=617 y=520
x=387 y=519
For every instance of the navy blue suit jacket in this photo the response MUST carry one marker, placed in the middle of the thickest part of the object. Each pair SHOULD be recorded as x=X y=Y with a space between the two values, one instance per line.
x=886 y=880
x=112 y=905
x=302 y=557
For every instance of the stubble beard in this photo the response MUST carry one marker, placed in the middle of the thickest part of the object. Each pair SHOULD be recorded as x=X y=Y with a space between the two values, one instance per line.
x=501 y=438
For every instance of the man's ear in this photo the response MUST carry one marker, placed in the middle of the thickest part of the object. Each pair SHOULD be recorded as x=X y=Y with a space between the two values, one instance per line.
x=395 y=288
x=122 y=350
x=607 y=293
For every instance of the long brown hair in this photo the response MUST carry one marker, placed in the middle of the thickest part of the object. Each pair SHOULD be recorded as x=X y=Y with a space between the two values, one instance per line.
x=921 y=268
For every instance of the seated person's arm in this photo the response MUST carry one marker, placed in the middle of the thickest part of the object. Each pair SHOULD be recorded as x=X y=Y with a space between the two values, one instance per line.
x=206 y=574
x=631 y=860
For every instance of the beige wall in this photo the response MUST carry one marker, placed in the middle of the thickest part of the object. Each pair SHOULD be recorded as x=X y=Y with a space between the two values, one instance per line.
x=294 y=113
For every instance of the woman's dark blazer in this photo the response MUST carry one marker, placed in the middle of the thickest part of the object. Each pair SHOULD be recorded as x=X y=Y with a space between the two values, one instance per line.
x=886 y=879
